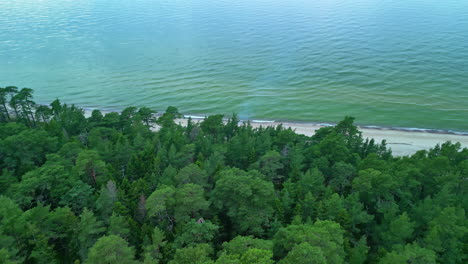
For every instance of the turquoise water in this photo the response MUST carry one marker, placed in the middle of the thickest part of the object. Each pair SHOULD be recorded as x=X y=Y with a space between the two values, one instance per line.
x=400 y=63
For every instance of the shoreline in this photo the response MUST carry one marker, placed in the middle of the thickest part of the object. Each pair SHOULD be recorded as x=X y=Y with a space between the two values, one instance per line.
x=402 y=141
x=88 y=111
x=371 y=127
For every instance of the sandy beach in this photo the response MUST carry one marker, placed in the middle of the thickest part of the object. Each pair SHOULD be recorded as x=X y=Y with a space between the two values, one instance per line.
x=401 y=142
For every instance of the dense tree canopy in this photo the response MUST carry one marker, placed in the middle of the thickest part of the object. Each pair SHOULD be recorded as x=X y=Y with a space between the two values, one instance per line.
x=133 y=187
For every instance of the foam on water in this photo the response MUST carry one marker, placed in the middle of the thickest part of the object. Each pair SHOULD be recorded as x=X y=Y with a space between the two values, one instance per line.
x=263 y=121
x=194 y=117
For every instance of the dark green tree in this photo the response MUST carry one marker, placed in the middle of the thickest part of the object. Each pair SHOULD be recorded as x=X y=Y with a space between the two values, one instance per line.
x=111 y=249
x=89 y=230
x=245 y=199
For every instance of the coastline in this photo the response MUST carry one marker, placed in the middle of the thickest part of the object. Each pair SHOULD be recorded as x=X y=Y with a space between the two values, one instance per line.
x=402 y=141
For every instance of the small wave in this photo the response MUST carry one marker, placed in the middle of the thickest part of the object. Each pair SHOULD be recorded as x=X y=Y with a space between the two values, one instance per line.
x=89 y=108
x=417 y=130
x=194 y=117
x=325 y=124
x=263 y=121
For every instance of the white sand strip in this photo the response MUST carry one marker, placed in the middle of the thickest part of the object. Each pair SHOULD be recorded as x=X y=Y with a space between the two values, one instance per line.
x=401 y=142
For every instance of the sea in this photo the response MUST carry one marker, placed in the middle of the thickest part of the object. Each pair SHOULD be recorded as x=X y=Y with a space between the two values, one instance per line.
x=389 y=63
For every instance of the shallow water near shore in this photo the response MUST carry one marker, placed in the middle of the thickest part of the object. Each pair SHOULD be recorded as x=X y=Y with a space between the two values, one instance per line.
x=389 y=63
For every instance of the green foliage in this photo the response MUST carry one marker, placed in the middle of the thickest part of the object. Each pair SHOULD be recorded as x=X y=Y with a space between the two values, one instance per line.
x=358 y=254
x=91 y=168
x=411 y=253
x=196 y=232
x=447 y=235
x=153 y=251
x=132 y=188
x=246 y=199
x=398 y=231
x=257 y=256
x=51 y=184
x=304 y=253
x=26 y=150
x=253 y=255
x=240 y=244
x=107 y=198
x=244 y=250
x=160 y=202
x=270 y=165
x=213 y=125
x=199 y=254
x=111 y=249
x=189 y=203
x=192 y=174
x=118 y=225
x=89 y=230
x=327 y=236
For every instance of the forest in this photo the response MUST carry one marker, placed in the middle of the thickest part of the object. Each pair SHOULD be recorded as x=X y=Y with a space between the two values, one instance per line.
x=137 y=187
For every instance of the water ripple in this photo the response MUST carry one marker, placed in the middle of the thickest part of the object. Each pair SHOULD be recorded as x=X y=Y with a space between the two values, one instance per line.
x=387 y=62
